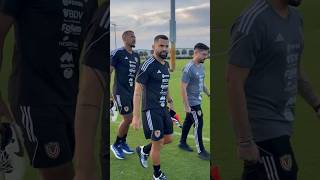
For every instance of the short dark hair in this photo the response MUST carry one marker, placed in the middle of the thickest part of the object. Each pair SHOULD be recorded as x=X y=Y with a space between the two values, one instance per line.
x=201 y=46
x=126 y=33
x=161 y=36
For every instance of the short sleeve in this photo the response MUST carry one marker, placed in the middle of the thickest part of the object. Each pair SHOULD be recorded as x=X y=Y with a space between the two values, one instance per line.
x=143 y=74
x=245 y=46
x=97 y=49
x=186 y=75
x=115 y=56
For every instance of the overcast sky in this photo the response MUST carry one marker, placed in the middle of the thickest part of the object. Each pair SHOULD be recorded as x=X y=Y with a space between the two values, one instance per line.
x=148 y=18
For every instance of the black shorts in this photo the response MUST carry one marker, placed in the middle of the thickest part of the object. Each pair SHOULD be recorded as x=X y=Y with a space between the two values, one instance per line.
x=124 y=104
x=156 y=123
x=277 y=161
x=48 y=133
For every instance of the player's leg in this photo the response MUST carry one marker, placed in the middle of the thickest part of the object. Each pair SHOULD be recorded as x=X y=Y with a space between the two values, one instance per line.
x=143 y=152
x=198 y=126
x=160 y=136
x=47 y=140
x=63 y=172
x=122 y=133
x=120 y=146
x=124 y=126
x=167 y=139
x=185 y=131
x=155 y=157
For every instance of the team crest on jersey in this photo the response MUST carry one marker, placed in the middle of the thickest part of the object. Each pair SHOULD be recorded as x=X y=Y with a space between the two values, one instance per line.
x=126 y=108
x=53 y=150
x=286 y=162
x=199 y=113
x=157 y=133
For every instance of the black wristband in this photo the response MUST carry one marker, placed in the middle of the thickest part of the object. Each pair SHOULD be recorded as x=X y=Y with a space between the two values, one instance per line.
x=317 y=108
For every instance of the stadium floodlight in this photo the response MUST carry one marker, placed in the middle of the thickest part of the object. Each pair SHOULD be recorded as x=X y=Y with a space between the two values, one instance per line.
x=173 y=36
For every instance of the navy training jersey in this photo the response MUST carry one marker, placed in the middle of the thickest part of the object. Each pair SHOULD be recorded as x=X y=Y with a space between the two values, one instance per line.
x=154 y=77
x=126 y=66
x=97 y=48
x=48 y=40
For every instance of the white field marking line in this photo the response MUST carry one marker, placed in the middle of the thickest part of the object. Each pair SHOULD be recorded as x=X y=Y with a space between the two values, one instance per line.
x=177 y=133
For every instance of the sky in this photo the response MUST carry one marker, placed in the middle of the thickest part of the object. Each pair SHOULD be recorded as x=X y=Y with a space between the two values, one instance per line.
x=148 y=18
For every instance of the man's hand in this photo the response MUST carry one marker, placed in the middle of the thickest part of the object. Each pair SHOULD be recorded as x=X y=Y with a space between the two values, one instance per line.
x=171 y=105
x=187 y=109
x=135 y=122
x=249 y=152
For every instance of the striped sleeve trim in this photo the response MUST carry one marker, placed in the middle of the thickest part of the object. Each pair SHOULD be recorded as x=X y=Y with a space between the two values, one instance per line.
x=105 y=21
x=250 y=15
x=187 y=68
x=147 y=63
x=113 y=53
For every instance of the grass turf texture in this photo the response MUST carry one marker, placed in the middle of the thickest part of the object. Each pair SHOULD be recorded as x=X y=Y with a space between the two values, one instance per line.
x=175 y=163
x=307 y=126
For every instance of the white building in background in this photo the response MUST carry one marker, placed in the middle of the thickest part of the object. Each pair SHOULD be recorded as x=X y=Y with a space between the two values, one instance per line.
x=181 y=53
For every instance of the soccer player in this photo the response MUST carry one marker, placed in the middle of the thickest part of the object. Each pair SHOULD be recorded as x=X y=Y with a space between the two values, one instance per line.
x=264 y=76
x=92 y=89
x=44 y=83
x=125 y=62
x=192 y=86
x=152 y=83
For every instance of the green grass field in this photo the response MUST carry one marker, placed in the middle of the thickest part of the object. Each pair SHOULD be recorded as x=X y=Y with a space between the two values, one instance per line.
x=307 y=126
x=177 y=164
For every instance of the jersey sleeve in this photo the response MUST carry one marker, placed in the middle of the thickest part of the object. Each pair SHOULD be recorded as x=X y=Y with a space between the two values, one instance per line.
x=245 y=45
x=115 y=56
x=97 y=49
x=11 y=7
x=143 y=74
x=186 y=76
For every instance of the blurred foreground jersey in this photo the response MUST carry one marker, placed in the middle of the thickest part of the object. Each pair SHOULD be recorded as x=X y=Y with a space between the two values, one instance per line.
x=49 y=37
x=270 y=46
x=97 y=48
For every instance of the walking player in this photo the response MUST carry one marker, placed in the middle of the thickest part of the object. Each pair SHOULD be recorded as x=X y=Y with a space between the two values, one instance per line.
x=152 y=84
x=264 y=77
x=125 y=62
x=192 y=85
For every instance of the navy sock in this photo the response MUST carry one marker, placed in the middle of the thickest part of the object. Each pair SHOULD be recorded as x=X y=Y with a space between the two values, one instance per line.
x=156 y=170
x=147 y=148
x=118 y=140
